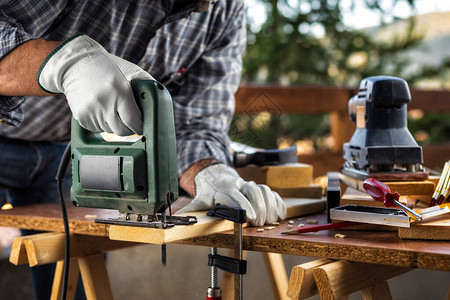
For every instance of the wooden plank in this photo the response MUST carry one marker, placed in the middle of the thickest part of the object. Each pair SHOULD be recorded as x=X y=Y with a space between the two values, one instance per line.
x=379 y=291
x=437 y=228
x=301 y=281
x=296 y=207
x=206 y=225
x=341 y=278
x=49 y=247
x=277 y=275
x=421 y=100
x=284 y=176
x=298 y=99
x=71 y=282
x=356 y=197
x=95 y=277
x=404 y=188
x=311 y=191
x=289 y=176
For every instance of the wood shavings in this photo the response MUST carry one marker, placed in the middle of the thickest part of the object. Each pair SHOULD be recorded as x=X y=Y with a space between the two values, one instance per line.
x=300 y=219
x=260 y=230
x=312 y=221
x=291 y=221
x=275 y=223
x=269 y=228
x=338 y=235
x=90 y=216
x=301 y=225
x=290 y=226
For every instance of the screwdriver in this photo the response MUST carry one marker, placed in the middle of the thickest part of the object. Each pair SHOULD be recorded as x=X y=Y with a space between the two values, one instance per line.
x=381 y=192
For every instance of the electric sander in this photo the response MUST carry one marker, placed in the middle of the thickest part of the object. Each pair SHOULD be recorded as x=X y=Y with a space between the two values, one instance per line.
x=139 y=178
x=382 y=146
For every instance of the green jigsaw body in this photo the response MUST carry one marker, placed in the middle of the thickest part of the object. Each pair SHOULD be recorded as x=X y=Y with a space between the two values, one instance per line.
x=133 y=177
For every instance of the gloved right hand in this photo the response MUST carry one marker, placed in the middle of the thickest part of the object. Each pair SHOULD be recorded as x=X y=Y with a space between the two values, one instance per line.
x=96 y=85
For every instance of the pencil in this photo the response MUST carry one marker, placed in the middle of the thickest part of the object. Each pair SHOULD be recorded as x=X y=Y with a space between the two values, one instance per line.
x=439 y=186
x=445 y=189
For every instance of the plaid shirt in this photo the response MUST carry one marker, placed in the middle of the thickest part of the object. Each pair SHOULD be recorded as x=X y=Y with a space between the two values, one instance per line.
x=160 y=38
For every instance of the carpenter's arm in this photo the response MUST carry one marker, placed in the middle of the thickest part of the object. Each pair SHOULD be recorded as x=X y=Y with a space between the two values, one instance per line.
x=18 y=69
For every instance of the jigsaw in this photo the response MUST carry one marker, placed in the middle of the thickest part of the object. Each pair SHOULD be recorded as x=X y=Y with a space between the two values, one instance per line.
x=139 y=179
x=382 y=146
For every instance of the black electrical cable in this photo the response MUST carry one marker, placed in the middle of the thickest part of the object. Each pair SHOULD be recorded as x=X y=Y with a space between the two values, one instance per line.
x=60 y=176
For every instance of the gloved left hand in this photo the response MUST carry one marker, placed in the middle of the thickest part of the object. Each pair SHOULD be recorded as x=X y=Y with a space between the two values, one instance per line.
x=219 y=183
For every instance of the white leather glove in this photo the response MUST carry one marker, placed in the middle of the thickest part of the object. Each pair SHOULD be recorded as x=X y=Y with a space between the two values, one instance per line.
x=96 y=84
x=219 y=183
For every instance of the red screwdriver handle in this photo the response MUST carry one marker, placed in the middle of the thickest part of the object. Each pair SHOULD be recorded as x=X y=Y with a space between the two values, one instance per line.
x=380 y=192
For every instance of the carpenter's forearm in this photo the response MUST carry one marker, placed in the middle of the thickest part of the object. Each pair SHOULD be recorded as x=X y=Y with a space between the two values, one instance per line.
x=19 y=68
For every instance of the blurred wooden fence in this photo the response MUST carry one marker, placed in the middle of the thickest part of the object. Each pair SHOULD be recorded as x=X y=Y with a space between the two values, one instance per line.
x=253 y=99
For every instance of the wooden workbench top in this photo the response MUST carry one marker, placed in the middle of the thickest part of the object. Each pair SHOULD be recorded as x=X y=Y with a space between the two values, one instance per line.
x=381 y=247
x=48 y=217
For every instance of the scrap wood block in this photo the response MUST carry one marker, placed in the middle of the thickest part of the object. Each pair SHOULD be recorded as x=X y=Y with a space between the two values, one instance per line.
x=311 y=191
x=283 y=176
x=301 y=281
x=341 y=278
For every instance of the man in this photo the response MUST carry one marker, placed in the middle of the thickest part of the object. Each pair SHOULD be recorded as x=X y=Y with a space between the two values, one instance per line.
x=43 y=57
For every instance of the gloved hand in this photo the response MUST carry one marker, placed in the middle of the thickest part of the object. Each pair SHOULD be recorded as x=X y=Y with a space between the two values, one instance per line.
x=96 y=84
x=219 y=183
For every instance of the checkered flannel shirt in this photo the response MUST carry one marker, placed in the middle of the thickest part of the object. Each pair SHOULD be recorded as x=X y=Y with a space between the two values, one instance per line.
x=207 y=39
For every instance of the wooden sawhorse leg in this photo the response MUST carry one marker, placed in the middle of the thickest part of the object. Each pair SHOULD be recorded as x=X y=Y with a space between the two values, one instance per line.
x=338 y=279
x=87 y=258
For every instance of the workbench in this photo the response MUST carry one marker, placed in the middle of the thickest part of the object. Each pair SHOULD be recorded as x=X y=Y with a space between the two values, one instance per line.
x=375 y=247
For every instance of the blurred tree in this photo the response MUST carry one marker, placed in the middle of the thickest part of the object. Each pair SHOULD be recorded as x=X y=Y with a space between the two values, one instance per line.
x=307 y=42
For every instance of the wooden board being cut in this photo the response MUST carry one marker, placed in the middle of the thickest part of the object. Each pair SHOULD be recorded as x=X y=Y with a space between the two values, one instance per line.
x=437 y=228
x=205 y=226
